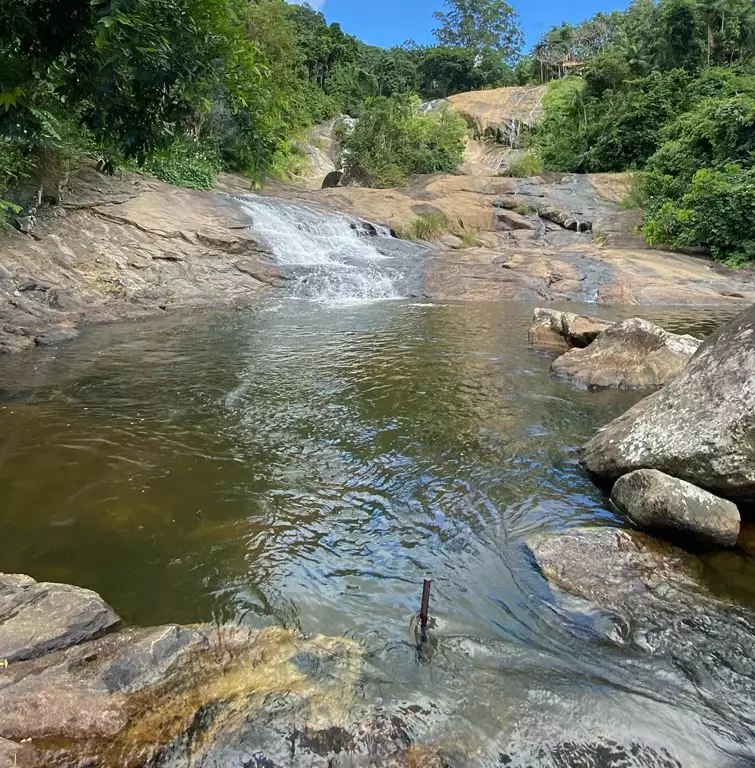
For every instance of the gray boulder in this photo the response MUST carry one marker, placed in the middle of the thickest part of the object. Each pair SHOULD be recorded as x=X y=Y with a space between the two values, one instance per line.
x=56 y=336
x=676 y=509
x=552 y=329
x=700 y=427
x=633 y=354
x=332 y=180
x=39 y=618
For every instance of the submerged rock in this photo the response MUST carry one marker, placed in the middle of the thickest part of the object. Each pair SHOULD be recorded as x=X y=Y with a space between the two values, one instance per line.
x=633 y=354
x=699 y=428
x=178 y=696
x=36 y=619
x=675 y=508
x=657 y=594
x=56 y=336
x=746 y=540
x=563 y=330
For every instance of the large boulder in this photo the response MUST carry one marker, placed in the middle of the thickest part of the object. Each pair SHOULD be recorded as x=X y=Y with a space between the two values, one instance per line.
x=557 y=330
x=700 y=427
x=676 y=509
x=36 y=619
x=633 y=354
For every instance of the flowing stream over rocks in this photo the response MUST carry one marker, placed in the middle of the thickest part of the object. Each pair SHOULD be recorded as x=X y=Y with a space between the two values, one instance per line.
x=332 y=257
x=305 y=465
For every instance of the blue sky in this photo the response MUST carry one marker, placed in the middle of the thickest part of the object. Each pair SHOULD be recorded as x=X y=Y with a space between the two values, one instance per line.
x=390 y=22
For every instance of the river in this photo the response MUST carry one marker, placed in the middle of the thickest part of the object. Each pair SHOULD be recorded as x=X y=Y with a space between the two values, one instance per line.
x=309 y=463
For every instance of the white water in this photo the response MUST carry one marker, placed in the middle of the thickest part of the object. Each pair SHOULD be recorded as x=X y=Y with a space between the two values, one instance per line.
x=328 y=259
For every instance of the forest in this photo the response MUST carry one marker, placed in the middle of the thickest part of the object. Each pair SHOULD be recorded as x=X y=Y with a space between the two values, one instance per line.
x=183 y=89
x=666 y=90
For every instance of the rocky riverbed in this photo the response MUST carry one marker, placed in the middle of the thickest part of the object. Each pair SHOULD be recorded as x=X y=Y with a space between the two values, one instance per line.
x=555 y=237
x=129 y=247
x=124 y=248
x=78 y=687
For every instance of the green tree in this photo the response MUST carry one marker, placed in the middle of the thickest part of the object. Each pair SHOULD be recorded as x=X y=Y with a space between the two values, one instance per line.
x=443 y=71
x=481 y=24
x=392 y=141
x=561 y=138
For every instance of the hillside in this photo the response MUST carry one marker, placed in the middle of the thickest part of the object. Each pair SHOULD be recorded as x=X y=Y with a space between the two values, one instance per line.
x=498 y=119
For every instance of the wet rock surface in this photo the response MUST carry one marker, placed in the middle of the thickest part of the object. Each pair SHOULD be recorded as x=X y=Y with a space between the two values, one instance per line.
x=561 y=331
x=633 y=354
x=676 y=509
x=119 y=248
x=699 y=428
x=178 y=696
x=529 y=256
x=39 y=618
x=654 y=596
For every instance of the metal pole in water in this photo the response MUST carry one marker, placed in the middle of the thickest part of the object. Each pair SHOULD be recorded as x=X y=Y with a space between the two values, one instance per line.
x=425 y=605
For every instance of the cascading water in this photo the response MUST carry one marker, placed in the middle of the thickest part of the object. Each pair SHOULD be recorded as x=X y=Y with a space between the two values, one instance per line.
x=324 y=254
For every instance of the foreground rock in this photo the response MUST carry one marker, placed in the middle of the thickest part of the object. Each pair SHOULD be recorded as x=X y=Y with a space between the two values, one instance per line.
x=676 y=509
x=699 y=428
x=175 y=696
x=633 y=354
x=556 y=330
x=39 y=618
x=653 y=596
x=127 y=247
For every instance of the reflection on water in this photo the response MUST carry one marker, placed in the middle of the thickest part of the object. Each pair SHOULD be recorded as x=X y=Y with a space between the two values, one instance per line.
x=309 y=466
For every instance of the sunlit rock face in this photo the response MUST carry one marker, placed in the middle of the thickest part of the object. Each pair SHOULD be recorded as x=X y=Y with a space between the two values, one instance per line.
x=633 y=354
x=700 y=427
x=676 y=509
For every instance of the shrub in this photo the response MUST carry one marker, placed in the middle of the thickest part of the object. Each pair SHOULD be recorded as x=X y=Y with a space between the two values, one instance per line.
x=560 y=139
x=716 y=213
x=427 y=226
x=636 y=196
x=529 y=164
x=470 y=239
x=185 y=163
x=392 y=141
x=15 y=166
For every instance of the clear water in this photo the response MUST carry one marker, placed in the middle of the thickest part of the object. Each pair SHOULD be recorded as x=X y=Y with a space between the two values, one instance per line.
x=308 y=465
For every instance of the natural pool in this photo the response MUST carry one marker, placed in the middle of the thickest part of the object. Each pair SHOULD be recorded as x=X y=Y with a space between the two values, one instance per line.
x=308 y=464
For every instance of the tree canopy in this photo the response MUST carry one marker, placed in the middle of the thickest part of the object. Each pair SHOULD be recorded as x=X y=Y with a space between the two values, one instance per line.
x=480 y=25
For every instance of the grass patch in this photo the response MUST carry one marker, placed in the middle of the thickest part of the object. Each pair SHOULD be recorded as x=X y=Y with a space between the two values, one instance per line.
x=470 y=239
x=529 y=164
x=524 y=210
x=184 y=163
x=427 y=226
x=636 y=197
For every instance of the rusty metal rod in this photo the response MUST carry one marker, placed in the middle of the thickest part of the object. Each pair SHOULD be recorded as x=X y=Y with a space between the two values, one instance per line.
x=425 y=604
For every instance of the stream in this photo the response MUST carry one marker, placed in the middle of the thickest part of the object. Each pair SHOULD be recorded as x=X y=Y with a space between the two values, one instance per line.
x=308 y=463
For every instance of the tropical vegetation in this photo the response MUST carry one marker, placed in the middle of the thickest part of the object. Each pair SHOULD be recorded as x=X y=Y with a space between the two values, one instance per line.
x=665 y=89
x=184 y=88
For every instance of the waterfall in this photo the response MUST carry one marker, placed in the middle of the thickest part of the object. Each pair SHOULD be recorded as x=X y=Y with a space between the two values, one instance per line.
x=327 y=256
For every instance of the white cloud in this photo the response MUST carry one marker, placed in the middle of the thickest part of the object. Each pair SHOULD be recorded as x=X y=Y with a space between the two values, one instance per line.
x=316 y=4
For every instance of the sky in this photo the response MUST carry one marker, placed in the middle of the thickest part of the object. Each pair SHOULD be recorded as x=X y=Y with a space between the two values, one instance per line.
x=391 y=22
